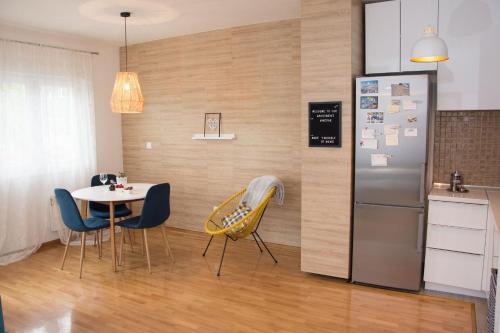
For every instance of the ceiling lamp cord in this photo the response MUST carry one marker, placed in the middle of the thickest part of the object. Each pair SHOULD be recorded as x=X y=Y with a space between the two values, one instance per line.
x=126 y=47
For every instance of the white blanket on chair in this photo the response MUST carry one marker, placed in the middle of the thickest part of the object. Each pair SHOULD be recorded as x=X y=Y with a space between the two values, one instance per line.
x=259 y=187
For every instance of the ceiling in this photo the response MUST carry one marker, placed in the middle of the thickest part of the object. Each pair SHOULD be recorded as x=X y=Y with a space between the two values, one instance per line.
x=151 y=19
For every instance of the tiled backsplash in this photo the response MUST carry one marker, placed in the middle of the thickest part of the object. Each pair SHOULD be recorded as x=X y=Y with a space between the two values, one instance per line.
x=468 y=141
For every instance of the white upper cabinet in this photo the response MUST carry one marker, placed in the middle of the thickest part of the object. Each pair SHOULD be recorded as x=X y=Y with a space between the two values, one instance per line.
x=415 y=16
x=469 y=79
x=382 y=37
x=391 y=30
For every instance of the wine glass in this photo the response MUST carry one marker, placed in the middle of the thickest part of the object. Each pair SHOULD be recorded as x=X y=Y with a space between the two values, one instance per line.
x=103 y=177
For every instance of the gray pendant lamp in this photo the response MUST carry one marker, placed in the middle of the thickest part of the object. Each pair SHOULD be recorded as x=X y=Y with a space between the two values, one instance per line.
x=429 y=48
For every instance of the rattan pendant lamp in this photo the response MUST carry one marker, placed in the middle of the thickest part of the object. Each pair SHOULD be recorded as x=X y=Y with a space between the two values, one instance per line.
x=127 y=96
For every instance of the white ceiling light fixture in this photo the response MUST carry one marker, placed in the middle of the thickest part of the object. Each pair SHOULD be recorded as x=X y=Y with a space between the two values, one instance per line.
x=127 y=95
x=429 y=48
x=146 y=12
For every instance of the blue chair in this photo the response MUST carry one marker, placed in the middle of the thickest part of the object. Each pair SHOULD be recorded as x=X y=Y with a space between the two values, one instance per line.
x=155 y=212
x=73 y=220
x=2 y=326
x=102 y=210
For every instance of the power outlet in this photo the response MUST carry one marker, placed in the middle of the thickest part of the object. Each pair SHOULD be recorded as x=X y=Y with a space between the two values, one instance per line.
x=149 y=145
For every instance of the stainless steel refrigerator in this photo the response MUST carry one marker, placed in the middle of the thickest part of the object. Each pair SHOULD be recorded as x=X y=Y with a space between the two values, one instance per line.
x=389 y=185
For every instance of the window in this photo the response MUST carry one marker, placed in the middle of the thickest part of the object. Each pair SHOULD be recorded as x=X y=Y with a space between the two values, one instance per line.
x=47 y=138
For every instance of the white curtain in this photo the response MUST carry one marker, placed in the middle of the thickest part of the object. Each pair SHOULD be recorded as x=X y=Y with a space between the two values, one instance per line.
x=47 y=139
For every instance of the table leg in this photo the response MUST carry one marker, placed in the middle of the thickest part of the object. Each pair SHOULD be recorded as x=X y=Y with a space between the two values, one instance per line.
x=131 y=233
x=83 y=209
x=83 y=213
x=112 y=234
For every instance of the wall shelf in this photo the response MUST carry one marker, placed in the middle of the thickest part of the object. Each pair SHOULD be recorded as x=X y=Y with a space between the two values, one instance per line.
x=229 y=136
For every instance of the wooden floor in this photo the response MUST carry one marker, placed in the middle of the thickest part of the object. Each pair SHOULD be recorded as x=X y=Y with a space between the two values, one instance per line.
x=252 y=295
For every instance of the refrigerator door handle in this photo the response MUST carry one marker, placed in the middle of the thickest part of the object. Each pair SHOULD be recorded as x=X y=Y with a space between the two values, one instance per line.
x=422 y=182
x=420 y=231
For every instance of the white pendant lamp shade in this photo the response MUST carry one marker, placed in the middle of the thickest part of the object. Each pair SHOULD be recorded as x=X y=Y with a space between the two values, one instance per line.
x=127 y=96
x=429 y=48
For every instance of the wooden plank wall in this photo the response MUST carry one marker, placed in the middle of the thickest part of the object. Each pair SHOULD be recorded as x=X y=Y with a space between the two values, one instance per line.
x=331 y=54
x=252 y=75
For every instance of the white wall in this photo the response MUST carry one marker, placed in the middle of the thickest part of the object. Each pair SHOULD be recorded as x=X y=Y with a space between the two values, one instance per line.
x=105 y=65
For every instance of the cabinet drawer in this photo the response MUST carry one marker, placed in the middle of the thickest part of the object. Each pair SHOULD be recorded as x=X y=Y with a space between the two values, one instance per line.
x=456 y=239
x=456 y=269
x=463 y=215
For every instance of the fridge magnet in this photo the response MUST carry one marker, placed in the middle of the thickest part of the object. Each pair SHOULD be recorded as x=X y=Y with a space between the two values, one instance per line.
x=409 y=105
x=394 y=106
x=391 y=140
x=369 y=144
x=325 y=124
x=412 y=119
x=411 y=131
x=391 y=129
x=379 y=160
x=212 y=124
x=368 y=133
x=374 y=117
x=369 y=102
x=400 y=89
x=369 y=87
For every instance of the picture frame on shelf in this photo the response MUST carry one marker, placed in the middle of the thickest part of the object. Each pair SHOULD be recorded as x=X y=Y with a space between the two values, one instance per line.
x=212 y=124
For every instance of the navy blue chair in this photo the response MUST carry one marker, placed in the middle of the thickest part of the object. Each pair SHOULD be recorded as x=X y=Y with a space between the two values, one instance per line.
x=73 y=220
x=2 y=326
x=155 y=212
x=102 y=210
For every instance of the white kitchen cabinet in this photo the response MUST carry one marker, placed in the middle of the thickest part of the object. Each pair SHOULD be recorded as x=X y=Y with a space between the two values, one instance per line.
x=457 y=269
x=456 y=239
x=496 y=247
x=391 y=30
x=458 y=254
x=469 y=79
x=416 y=15
x=456 y=214
x=492 y=247
x=382 y=37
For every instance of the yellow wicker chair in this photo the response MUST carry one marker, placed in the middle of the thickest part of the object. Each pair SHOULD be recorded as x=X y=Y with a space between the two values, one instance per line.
x=248 y=225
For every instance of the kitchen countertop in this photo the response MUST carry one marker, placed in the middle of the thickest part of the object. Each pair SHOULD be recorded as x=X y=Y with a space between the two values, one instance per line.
x=474 y=196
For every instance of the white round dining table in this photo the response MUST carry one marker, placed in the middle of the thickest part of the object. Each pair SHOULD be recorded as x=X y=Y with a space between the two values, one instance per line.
x=102 y=194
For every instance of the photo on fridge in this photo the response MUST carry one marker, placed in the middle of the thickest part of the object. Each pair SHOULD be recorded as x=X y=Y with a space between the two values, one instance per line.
x=369 y=102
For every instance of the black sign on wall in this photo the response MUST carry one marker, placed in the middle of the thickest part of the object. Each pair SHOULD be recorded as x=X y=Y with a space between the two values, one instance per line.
x=325 y=124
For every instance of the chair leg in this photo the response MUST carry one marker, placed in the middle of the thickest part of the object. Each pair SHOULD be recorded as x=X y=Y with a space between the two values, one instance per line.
x=95 y=239
x=130 y=240
x=168 y=251
x=222 y=257
x=275 y=261
x=122 y=240
x=66 y=250
x=257 y=242
x=143 y=246
x=82 y=252
x=100 y=243
x=210 y=241
x=145 y=233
